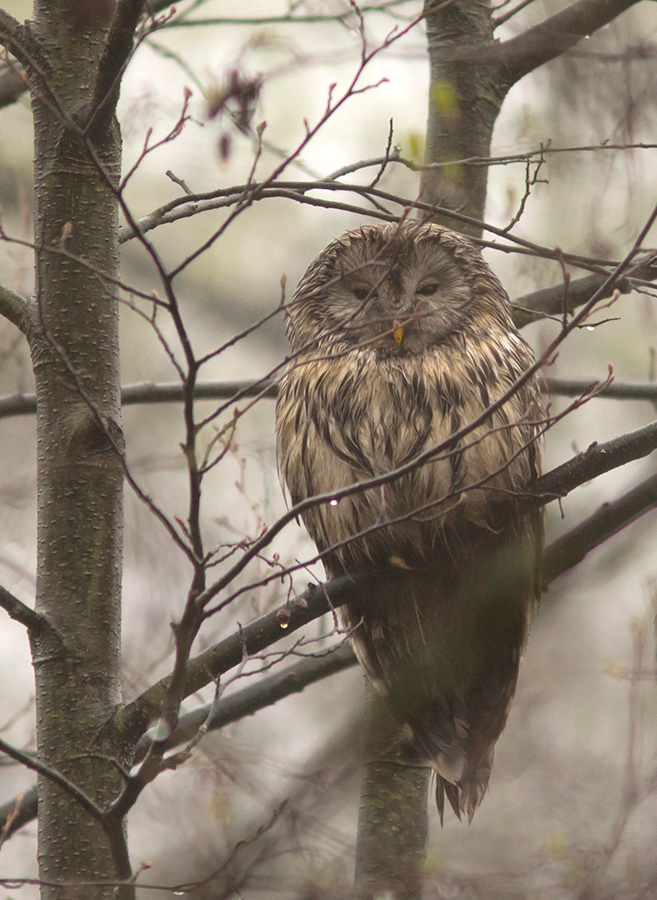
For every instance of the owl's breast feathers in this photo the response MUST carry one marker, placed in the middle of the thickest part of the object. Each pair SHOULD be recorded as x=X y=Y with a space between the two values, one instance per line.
x=358 y=416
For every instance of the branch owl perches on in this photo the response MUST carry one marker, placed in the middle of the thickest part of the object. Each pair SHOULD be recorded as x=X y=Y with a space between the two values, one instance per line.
x=402 y=337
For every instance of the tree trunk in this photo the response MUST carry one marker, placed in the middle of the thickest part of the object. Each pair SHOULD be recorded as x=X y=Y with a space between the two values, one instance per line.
x=393 y=821
x=79 y=469
x=464 y=101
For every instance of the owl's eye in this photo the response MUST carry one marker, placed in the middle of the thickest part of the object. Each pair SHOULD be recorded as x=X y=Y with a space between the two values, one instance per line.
x=427 y=289
x=362 y=293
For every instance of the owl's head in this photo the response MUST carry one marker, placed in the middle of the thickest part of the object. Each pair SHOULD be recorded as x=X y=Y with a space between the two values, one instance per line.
x=398 y=288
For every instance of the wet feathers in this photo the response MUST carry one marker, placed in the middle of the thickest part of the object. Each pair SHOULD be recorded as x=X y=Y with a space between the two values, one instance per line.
x=401 y=338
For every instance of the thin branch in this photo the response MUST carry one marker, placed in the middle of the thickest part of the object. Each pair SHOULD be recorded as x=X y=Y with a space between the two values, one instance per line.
x=148 y=392
x=570 y=549
x=595 y=461
x=17 y=405
x=556 y=34
x=259 y=695
x=19 y=612
x=56 y=777
x=16 y=308
x=203 y=390
x=299 y=191
x=504 y=17
x=116 y=53
x=554 y=301
x=10 y=30
x=252 y=638
x=18 y=812
x=12 y=84
x=21 y=41
x=285 y=19
x=616 y=390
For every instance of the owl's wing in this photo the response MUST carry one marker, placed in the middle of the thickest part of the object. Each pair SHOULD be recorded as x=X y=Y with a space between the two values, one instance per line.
x=444 y=646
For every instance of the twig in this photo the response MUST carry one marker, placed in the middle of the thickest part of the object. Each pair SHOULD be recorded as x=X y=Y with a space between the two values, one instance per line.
x=56 y=777
x=263 y=693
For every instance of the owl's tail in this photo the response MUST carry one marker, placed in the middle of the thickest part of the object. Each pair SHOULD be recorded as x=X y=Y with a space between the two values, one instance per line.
x=466 y=794
x=461 y=771
x=443 y=646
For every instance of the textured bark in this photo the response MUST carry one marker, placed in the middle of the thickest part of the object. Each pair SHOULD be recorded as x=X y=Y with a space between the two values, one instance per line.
x=79 y=475
x=393 y=821
x=465 y=98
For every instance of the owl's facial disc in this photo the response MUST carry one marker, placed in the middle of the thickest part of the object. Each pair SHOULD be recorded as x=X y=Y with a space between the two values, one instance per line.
x=385 y=312
x=397 y=310
x=396 y=297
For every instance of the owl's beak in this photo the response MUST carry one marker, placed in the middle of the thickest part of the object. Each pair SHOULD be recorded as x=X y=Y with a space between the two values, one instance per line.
x=398 y=333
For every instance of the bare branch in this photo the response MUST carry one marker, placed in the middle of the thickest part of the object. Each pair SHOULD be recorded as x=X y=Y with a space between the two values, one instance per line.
x=562 y=298
x=12 y=85
x=616 y=390
x=504 y=17
x=10 y=29
x=19 y=612
x=17 y=405
x=60 y=780
x=595 y=461
x=391 y=207
x=556 y=34
x=252 y=638
x=116 y=52
x=263 y=693
x=16 y=308
x=285 y=19
x=146 y=392
x=570 y=549
x=18 y=812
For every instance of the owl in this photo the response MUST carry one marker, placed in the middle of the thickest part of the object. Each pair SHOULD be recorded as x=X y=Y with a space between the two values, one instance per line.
x=404 y=359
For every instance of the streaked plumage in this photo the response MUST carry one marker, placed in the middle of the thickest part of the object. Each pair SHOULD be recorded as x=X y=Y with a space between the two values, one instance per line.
x=401 y=336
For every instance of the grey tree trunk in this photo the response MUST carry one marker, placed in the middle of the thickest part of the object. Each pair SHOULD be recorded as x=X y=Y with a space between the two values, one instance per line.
x=393 y=820
x=75 y=354
x=465 y=98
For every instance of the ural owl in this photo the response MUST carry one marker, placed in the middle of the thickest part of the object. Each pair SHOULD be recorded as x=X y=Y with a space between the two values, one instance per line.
x=402 y=337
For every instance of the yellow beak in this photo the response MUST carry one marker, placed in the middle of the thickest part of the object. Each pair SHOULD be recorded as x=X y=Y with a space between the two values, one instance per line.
x=398 y=333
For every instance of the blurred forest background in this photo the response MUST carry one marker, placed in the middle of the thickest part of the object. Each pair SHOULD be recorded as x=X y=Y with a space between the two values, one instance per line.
x=572 y=807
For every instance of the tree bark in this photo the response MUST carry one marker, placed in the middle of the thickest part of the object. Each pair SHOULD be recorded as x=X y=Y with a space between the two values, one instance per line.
x=393 y=820
x=464 y=101
x=79 y=470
